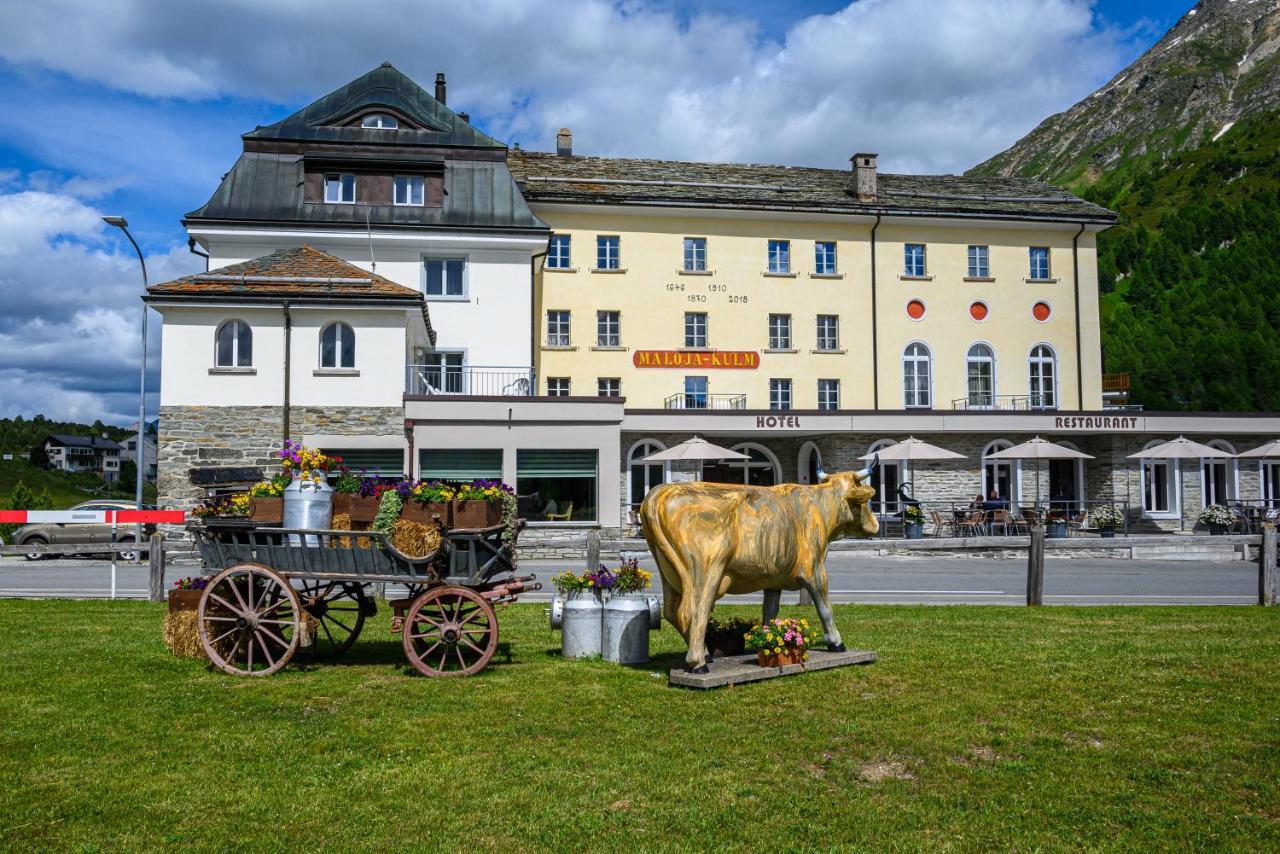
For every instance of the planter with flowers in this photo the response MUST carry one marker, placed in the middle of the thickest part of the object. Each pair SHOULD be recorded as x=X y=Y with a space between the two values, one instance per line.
x=1216 y=518
x=224 y=509
x=479 y=504
x=778 y=642
x=185 y=593
x=1106 y=518
x=267 y=505
x=913 y=522
x=629 y=613
x=429 y=503
x=355 y=496
x=578 y=611
x=727 y=637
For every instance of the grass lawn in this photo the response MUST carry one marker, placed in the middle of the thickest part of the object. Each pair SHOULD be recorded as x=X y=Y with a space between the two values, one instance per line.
x=65 y=489
x=979 y=727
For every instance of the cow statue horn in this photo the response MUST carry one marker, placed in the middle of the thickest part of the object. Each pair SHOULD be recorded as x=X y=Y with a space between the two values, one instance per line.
x=866 y=472
x=822 y=474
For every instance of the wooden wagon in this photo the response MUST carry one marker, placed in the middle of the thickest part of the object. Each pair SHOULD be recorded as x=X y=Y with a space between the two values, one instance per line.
x=280 y=590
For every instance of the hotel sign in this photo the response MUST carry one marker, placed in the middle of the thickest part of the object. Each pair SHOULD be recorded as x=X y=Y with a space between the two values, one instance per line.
x=747 y=360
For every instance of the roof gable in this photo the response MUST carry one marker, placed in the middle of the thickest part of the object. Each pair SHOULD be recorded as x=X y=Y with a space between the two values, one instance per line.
x=384 y=88
x=299 y=271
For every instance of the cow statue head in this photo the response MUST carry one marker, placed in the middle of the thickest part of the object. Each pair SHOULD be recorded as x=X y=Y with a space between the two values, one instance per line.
x=856 y=517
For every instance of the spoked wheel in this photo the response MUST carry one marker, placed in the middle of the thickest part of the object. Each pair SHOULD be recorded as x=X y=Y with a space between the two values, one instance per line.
x=249 y=619
x=336 y=610
x=450 y=631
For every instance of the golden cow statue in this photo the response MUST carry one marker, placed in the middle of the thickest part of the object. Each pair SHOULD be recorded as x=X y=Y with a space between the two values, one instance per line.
x=710 y=539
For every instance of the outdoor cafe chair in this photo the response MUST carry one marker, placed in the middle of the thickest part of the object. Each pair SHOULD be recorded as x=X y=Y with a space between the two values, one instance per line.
x=940 y=523
x=992 y=519
x=1075 y=523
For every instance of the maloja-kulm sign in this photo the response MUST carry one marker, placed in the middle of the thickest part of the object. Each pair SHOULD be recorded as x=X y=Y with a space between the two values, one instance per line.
x=742 y=360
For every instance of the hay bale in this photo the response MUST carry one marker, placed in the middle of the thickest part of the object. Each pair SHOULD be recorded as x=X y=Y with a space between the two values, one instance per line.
x=342 y=522
x=181 y=634
x=414 y=538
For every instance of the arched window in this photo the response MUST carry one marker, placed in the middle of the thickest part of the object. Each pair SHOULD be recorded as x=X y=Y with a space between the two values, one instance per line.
x=916 y=376
x=233 y=345
x=885 y=480
x=337 y=346
x=1218 y=476
x=642 y=476
x=379 y=120
x=761 y=469
x=1043 y=377
x=1001 y=476
x=1159 y=487
x=980 y=365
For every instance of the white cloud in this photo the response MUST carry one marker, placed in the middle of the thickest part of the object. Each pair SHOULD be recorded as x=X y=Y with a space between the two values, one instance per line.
x=935 y=85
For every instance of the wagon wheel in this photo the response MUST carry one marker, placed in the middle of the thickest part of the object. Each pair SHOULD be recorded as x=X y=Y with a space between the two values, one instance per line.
x=337 y=613
x=450 y=631
x=248 y=620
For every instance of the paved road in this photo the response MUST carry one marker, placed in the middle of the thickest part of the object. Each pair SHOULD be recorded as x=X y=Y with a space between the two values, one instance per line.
x=1068 y=581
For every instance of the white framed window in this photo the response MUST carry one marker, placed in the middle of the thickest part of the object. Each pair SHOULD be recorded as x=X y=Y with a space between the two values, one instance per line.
x=828 y=394
x=828 y=332
x=339 y=188
x=1042 y=377
x=695 y=329
x=979 y=262
x=410 y=190
x=1003 y=477
x=824 y=258
x=609 y=387
x=695 y=393
x=913 y=260
x=695 y=254
x=558 y=253
x=444 y=278
x=338 y=346
x=779 y=394
x=557 y=386
x=557 y=327
x=608 y=252
x=642 y=476
x=1219 y=476
x=1039 y=257
x=233 y=345
x=381 y=121
x=917 y=376
x=980 y=375
x=608 y=328
x=779 y=332
x=779 y=256
x=761 y=468
x=1160 y=487
x=442 y=372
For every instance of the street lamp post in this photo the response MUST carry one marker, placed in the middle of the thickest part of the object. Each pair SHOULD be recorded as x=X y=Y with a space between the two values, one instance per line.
x=140 y=460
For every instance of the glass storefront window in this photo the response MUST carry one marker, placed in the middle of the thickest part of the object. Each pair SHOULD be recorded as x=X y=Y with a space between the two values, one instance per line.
x=561 y=484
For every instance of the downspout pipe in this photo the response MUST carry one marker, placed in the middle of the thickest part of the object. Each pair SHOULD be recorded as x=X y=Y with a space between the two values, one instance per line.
x=1075 y=278
x=288 y=339
x=875 y=337
x=533 y=317
x=191 y=247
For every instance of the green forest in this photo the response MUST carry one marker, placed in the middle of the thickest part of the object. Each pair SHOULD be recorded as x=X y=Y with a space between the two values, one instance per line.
x=1190 y=275
x=19 y=435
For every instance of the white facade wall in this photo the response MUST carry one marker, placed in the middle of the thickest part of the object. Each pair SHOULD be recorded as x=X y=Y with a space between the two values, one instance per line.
x=378 y=378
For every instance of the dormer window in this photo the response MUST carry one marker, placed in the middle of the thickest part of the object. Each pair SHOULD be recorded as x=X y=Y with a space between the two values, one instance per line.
x=379 y=120
x=339 y=189
x=409 y=189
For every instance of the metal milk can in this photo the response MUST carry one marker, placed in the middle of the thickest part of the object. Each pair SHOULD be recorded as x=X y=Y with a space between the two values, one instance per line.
x=307 y=504
x=628 y=619
x=579 y=616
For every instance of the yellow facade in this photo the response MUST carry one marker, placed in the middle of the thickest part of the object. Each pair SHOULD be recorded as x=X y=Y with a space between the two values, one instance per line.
x=652 y=293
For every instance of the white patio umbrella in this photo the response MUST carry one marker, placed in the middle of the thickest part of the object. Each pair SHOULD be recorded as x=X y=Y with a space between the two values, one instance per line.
x=912 y=448
x=695 y=452
x=1269 y=451
x=1039 y=449
x=1180 y=449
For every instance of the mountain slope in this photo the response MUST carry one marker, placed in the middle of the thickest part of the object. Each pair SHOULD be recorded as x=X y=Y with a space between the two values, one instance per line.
x=1219 y=64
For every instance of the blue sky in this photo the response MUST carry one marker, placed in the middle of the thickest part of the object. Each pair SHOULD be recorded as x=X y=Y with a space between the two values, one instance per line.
x=137 y=106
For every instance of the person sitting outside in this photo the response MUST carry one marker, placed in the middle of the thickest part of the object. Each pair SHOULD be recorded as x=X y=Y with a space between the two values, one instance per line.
x=995 y=502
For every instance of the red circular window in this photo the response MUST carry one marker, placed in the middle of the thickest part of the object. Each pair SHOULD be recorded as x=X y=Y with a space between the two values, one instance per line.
x=978 y=311
x=1041 y=311
x=915 y=309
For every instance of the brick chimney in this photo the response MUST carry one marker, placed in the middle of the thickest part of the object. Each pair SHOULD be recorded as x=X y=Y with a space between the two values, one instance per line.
x=864 y=176
x=564 y=143
x=440 y=87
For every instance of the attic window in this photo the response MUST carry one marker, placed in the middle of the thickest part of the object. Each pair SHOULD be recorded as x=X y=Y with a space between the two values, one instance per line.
x=379 y=120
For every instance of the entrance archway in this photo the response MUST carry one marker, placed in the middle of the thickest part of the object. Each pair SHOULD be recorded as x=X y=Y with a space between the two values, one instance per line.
x=809 y=463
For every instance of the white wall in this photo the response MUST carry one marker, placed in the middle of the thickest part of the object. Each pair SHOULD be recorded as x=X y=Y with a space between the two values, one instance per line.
x=380 y=357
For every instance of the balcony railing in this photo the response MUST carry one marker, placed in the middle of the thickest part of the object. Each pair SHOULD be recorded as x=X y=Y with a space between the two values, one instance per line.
x=1001 y=402
x=706 y=401
x=443 y=380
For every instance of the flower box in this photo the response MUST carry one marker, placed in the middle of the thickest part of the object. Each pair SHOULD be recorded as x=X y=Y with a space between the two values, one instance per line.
x=268 y=510
x=789 y=655
x=427 y=513
x=185 y=600
x=359 y=508
x=476 y=514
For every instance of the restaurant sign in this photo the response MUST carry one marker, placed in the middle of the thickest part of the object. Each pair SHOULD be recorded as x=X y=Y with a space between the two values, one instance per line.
x=1095 y=422
x=731 y=359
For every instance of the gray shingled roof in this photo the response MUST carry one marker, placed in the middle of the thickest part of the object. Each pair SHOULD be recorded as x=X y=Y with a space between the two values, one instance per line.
x=545 y=177
x=98 y=442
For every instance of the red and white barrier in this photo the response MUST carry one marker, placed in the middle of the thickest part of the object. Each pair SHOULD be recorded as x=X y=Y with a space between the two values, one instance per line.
x=93 y=517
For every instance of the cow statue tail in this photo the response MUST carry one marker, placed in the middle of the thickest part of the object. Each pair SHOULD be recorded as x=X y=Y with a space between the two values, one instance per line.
x=676 y=607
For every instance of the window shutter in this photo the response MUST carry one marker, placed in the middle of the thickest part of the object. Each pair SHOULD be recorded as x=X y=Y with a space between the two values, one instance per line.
x=374 y=462
x=556 y=463
x=460 y=465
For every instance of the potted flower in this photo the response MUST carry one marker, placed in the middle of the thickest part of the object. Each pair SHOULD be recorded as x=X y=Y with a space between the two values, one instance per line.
x=352 y=497
x=186 y=592
x=781 y=642
x=479 y=504
x=629 y=613
x=727 y=637
x=430 y=503
x=268 y=502
x=215 y=508
x=1216 y=518
x=300 y=461
x=578 y=611
x=913 y=521
x=1106 y=518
